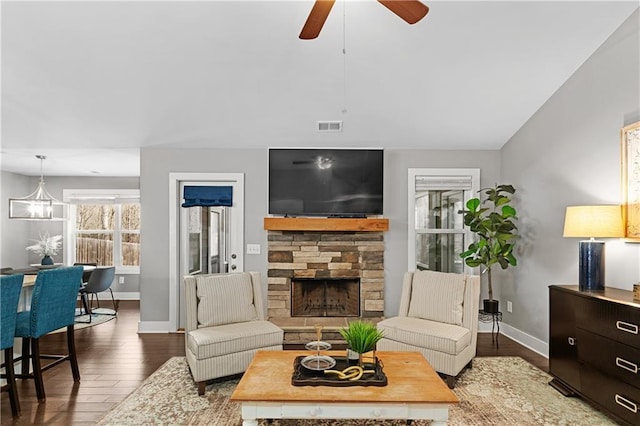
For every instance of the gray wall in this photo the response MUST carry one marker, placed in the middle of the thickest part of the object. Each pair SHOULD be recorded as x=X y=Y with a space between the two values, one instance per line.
x=14 y=234
x=156 y=164
x=19 y=230
x=568 y=153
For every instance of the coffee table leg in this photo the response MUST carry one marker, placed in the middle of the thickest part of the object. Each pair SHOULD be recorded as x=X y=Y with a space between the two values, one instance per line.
x=249 y=422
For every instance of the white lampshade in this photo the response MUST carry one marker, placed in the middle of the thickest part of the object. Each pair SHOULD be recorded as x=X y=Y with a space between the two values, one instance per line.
x=604 y=221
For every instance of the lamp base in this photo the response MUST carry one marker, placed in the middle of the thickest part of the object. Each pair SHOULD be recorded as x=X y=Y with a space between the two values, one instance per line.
x=591 y=266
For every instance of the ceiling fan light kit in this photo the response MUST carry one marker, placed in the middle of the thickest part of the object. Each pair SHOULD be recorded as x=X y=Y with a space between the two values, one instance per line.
x=411 y=11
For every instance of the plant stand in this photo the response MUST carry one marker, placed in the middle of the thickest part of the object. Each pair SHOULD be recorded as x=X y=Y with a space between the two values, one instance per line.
x=494 y=318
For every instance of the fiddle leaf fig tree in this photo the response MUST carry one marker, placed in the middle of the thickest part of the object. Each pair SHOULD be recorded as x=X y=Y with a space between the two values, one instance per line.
x=493 y=223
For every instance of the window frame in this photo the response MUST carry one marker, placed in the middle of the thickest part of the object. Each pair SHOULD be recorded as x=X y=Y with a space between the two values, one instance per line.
x=127 y=196
x=473 y=173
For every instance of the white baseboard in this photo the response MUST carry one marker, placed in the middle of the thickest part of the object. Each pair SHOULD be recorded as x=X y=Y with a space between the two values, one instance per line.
x=126 y=295
x=154 y=327
x=538 y=346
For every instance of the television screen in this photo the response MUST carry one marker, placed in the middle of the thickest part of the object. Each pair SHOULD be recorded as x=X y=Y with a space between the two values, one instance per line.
x=325 y=182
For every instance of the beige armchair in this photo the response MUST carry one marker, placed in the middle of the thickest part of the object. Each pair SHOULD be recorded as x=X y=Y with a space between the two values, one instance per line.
x=438 y=317
x=225 y=325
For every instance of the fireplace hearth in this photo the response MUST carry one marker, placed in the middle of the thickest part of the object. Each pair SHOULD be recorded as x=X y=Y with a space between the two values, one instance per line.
x=325 y=297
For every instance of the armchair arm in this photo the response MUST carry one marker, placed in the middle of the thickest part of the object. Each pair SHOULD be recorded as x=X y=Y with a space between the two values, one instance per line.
x=405 y=299
x=190 y=303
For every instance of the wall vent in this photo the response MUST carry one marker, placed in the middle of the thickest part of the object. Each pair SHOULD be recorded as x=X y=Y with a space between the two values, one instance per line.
x=329 y=126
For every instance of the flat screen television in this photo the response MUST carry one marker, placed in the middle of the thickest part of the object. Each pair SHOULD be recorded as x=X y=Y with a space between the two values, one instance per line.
x=325 y=182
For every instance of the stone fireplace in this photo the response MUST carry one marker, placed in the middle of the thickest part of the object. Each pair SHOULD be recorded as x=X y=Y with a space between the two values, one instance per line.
x=323 y=274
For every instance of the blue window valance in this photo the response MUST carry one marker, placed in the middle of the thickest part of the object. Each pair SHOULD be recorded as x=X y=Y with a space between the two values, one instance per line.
x=208 y=196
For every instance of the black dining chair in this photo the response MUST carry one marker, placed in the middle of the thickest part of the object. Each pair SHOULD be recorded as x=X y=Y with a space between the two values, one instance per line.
x=53 y=306
x=101 y=280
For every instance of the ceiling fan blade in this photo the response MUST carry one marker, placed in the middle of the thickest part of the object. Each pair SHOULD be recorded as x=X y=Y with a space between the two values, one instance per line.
x=410 y=10
x=316 y=18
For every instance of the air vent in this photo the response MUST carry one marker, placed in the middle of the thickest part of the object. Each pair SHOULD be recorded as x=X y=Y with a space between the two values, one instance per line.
x=329 y=126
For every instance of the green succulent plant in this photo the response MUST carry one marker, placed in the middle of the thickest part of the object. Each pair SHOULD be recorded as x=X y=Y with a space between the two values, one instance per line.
x=361 y=336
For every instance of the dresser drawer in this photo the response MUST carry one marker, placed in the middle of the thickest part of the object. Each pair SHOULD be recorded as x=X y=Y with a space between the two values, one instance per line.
x=613 y=320
x=619 y=398
x=612 y=358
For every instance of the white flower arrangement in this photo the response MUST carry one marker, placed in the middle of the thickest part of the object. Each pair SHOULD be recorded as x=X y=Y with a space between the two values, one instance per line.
x=46 y=245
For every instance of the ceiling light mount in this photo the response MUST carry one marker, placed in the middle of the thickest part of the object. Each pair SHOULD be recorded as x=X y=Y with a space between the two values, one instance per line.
x=39 y=205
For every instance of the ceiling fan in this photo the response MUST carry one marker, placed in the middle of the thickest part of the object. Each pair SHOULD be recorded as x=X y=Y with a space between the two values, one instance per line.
x=409 y=10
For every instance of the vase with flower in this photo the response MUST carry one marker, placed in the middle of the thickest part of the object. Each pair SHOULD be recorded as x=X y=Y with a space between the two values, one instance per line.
x=46 y=246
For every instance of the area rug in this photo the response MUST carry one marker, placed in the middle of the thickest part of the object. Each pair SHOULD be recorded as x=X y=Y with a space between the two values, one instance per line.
x=98 y=316
x=496 y=391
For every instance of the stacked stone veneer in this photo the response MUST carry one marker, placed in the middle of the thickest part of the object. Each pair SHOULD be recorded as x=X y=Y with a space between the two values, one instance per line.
x=313 y=254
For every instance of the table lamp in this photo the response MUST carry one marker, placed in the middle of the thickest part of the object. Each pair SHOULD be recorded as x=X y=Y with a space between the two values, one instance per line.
x=603 y=221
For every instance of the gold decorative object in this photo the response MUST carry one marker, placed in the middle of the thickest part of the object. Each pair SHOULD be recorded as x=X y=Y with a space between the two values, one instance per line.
x=350 y=373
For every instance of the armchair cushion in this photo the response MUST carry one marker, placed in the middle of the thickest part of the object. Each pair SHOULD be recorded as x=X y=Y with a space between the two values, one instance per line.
x=437 y=297
x=233 y=338
x=225 y=299
x=441 y=337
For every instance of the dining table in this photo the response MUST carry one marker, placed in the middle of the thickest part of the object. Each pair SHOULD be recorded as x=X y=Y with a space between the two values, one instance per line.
x=30 y=275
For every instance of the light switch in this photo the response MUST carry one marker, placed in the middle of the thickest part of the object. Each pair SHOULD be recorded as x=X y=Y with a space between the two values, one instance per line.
x=253 y=248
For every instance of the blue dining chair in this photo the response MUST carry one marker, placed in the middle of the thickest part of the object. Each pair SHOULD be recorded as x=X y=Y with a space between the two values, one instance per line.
x=10 y=287
x=53 y=306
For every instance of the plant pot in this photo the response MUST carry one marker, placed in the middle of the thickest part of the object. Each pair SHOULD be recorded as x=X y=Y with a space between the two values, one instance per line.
x=491 y=306
x=353 y=357
x=47 y=260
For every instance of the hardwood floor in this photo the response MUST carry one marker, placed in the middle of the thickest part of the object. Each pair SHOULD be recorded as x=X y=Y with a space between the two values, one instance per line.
x=114 y=360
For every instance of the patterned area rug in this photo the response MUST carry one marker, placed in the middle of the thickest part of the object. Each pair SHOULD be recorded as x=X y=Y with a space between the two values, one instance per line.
x=496 y=391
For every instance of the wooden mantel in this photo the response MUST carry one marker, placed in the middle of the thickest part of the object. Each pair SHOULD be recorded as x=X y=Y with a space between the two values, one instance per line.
x=325 y=224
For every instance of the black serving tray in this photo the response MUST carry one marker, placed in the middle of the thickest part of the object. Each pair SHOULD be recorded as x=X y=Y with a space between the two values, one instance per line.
x=303 y=377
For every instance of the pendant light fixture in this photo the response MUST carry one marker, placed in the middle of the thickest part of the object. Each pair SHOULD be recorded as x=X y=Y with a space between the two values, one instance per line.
x=39 y=205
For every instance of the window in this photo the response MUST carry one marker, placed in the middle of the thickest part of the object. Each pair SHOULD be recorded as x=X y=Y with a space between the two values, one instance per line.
x=437 y=234
x=104 y=228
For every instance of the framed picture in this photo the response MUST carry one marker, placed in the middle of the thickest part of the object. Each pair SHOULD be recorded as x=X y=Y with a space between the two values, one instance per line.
x=630 y=136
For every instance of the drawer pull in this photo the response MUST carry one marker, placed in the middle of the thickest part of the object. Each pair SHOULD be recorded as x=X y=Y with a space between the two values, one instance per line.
x=625 y=326
x=572 y=341
x=625 y=403
x=627 y=365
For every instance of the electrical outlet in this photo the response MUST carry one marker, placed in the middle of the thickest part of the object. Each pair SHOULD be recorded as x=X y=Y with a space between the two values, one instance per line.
x=120 y=280
x=253 y=248
x=509 y=306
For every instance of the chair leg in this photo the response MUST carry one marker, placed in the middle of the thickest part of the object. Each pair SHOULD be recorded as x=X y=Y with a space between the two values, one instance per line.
x=115 y=305
x=201 y=387
x=24 y=357
x=85 y=305
x=37 y=369
x=73 y=358
x=11 y=382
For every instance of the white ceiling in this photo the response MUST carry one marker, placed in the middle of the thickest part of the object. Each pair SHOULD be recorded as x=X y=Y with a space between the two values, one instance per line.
x=89 y=83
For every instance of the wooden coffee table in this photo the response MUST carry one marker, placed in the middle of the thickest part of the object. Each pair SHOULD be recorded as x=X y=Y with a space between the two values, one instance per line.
x=414 y=391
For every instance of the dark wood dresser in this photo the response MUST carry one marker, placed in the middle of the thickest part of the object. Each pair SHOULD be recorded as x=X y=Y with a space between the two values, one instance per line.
x=594 y=348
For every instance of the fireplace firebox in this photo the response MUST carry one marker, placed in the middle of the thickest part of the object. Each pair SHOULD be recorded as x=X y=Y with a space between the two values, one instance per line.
x=325 y=297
